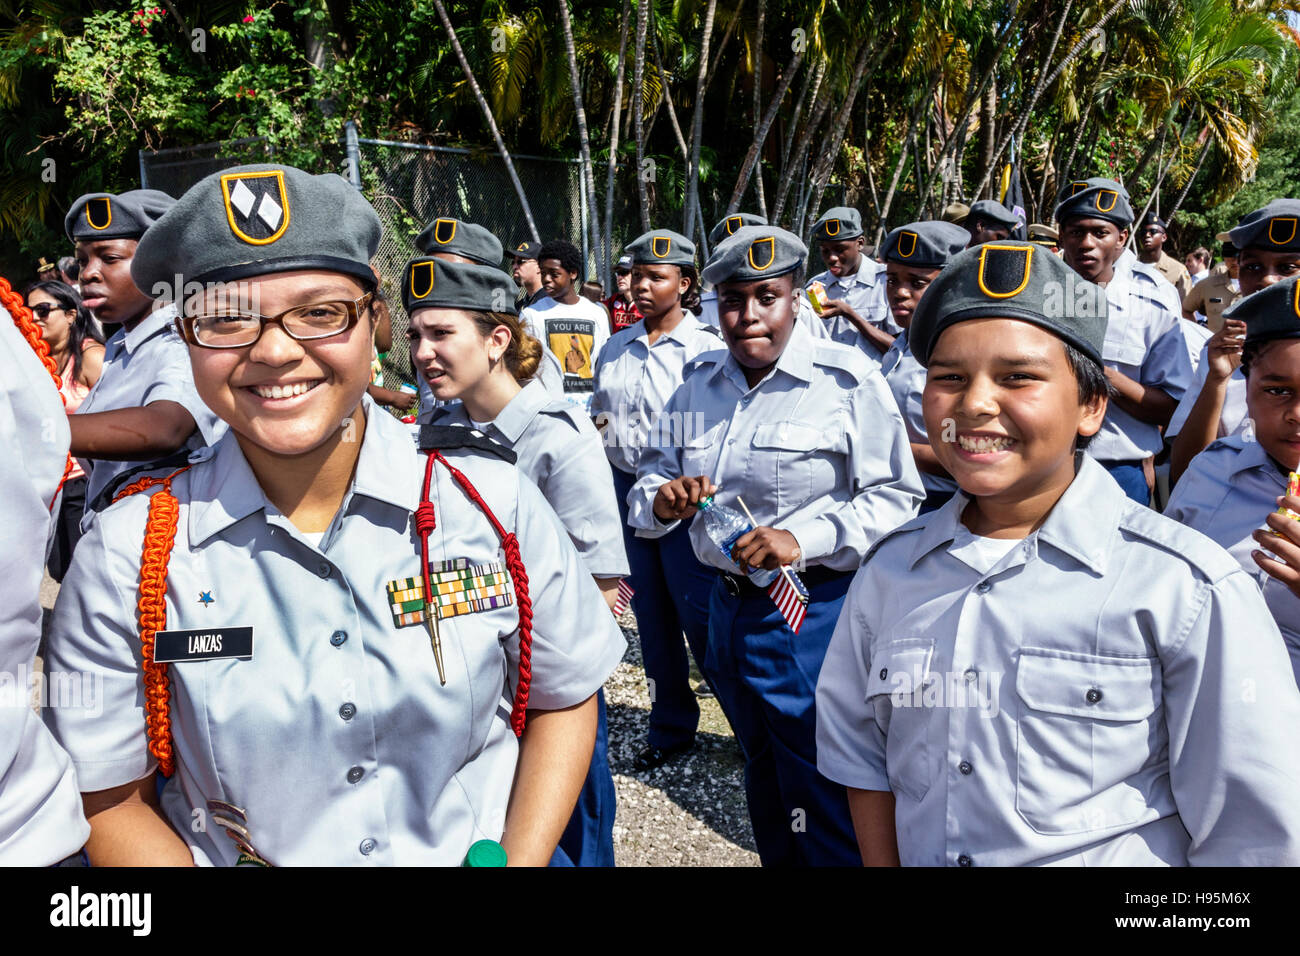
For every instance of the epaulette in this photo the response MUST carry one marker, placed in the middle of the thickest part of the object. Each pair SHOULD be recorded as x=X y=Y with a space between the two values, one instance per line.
x=915 y=524
x=843 y=357
x=704 y=359
x=447 y=437
x=1195 y=549
x=109 y=492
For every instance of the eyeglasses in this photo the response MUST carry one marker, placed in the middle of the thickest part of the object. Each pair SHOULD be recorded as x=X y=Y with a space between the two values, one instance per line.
x=229 y=329
x=43 y=309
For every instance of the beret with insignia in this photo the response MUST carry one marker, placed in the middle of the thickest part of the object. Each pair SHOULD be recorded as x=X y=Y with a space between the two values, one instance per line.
x=123 y=216
x=1012 y=280
x=1095 y=198
x=1275 y=228
x=755 y=252
x=1151 y=219
x=929 y=244
x=840 y=222
x=994 y=212
x=730 y=224
x=429 y=283
x=527 y=249
x=1271 y=313
x=460 y=238
x=661 y=245
x=256 y=220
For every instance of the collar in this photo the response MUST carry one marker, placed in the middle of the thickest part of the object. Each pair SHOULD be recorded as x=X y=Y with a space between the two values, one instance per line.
x=866 y=274
x=1252 y=455
x=681 y=333
x=1081 y=523
x=796 y=360
x=227 y=491
x=152 y=324
x=513 y=420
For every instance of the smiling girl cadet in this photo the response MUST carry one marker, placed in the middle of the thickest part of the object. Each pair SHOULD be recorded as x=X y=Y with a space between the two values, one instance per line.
x=469 y=345
x=807 y=434
x=1043 y=670
x=285 y=670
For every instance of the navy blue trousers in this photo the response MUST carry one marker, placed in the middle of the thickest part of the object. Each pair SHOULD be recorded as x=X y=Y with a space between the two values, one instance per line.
x=765 y=677
x=588 y=840
x=1131 y=478
x=672 y=596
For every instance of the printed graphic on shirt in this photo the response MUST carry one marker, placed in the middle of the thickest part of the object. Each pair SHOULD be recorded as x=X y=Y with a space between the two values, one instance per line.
x=574 y=342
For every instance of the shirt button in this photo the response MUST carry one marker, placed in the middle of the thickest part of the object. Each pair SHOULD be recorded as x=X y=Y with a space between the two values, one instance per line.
x=323 y=569
x=1093 y=695
x=983 y=587
x=367 y=847
x=884 y=672
x=965 y=767
x=338 y=637
x=971 y=675
x=348 y=711
x=355 y=774
x=964 y=860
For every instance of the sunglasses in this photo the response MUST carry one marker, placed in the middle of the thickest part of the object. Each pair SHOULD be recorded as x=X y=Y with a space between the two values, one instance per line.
x=228 y=329
x=43 y=309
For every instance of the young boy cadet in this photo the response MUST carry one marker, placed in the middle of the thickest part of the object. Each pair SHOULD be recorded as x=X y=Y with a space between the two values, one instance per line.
x=1231 y=489
x=1043 y=671
x=1146 y=356
x=990 y=221
x=857 y=310
x=144 y=407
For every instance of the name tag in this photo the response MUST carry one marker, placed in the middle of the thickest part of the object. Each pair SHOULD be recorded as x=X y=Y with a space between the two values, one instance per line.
x=203 y=644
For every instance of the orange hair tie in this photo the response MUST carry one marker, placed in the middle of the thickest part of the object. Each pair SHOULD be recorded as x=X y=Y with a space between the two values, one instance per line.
x=13 y=302
x=159 y=536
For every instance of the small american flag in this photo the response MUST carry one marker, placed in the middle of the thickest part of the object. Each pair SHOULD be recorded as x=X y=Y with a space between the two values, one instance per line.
x=790 y=597
x=624 y=597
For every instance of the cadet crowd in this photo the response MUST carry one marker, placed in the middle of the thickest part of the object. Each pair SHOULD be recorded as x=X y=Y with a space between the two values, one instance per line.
x=988 y=548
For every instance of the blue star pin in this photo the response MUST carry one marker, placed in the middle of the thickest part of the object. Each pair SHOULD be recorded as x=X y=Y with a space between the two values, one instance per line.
x=205 y=598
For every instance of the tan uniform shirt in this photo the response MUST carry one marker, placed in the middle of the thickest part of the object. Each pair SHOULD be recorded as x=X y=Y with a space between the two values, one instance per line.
x=1211 y=296
x=1175 y=272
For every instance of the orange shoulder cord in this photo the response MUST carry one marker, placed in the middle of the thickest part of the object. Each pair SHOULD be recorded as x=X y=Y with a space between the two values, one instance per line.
x=159 y=536
x=12 y=301
x=425 y=521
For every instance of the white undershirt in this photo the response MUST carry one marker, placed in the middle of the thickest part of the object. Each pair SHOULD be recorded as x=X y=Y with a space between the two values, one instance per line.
x=980 y=553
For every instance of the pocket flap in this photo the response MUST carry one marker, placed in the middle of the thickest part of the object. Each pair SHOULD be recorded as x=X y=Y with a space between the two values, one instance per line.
x=1124 y=353
x=901 y=667
x=1086 y=685
x=788 y=436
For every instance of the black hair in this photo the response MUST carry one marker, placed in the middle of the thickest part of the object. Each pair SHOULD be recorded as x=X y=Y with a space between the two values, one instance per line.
x=1251 y=351
x=566 y=253
x=1092 y=380
x=691 y=297
x=83 y=325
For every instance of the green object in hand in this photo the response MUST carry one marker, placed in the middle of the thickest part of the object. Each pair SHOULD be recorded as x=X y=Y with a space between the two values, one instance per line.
x=486 y=853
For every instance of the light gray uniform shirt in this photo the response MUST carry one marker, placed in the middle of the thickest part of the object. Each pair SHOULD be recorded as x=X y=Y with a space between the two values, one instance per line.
x=336 y=738
x=1226 y=493
x=634 y=380
x=40 y=807
x=865 y=292
x=817 y=448
x=559 y=449
x=1233 y=414
x=151 y=363
x=1112 y=691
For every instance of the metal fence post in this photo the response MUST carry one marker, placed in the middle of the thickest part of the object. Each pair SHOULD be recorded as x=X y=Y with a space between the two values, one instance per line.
x=354 y=153
x=586 y=232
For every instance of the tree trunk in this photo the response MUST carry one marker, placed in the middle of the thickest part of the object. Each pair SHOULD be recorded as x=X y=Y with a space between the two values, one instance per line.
x=487 y=115
x=697 y=126
x=760 y=133
x=820 y=105
x=893 y=186
x=810 y=80
x=638 y=91
x=613 y=141
x=822 y=172
x=584 y=143
x=758 y=103
x=1187 y=186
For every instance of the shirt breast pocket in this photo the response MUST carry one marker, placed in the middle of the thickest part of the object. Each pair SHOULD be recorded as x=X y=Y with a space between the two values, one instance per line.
x=1124 y=344
x=899 y=674
x=788 y=456
x=700 y=452
x=1087 y=724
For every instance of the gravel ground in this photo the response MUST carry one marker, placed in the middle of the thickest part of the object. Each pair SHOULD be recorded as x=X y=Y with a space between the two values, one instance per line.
x=689 y=812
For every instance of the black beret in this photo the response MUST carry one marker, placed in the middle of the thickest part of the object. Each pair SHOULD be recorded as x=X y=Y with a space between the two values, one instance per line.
x=1013 y=280
x=254 y=220
x=662 y=245
x=929 y=244
x=460 y=238
x=1271 y=313
x=991 y=211
x=731 y=223
x=1151 y=219
x=841 y=222
x=429 y=283
x=527 y=249
x=1095 y=198
x=755 y=252
x=123 y=216
x=1275 y=228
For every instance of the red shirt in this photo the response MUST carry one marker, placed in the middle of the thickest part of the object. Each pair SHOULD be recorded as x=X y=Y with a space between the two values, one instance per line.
x=621 y=313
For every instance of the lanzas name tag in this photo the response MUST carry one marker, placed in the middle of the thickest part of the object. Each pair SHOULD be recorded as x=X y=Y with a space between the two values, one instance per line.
x=203 y=644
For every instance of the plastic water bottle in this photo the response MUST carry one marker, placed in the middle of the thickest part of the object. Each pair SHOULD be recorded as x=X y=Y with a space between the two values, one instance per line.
x=725 y=526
